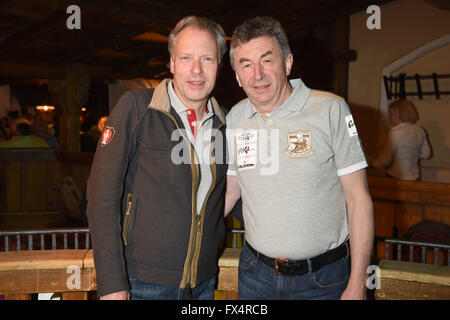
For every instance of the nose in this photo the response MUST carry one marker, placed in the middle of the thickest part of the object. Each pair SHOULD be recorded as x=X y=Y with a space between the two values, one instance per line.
x=259 y=72
x=196 y=67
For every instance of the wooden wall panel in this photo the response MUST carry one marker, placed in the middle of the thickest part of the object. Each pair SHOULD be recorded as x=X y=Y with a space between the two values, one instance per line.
x=384 y=218
x=31 y=183
x=406 y=215
x=437 y=213
x=13 y=186
x=55 y=179
x=34 y=186
x=3 y=186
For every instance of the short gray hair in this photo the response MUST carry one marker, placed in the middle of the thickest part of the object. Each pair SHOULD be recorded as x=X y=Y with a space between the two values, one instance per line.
x=259 y=27
x=204 y=24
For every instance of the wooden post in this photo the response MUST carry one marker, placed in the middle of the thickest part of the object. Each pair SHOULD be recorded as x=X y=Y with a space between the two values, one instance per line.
x=227 y=288
x=71 y=93
x=77 y=87
x=56 y=87
x=342 y=55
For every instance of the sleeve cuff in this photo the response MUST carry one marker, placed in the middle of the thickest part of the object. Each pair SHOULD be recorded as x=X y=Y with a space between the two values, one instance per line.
x=352 y=168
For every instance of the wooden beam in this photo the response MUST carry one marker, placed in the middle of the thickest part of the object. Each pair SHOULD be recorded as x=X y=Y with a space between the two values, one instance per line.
x=11 y=68
x=34 y=69
x=341 y=43
x=331 y=11
x=138 y=12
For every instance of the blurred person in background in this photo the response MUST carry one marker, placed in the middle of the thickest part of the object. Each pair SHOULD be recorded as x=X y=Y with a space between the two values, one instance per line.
x=24 y=138
x=406 y=143
x=40 y=129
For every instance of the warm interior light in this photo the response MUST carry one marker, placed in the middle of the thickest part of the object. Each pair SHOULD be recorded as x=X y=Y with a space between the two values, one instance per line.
x=45 y=108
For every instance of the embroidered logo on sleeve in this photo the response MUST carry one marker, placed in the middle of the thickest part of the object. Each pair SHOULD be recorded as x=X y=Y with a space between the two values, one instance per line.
x=351 y=127
x=107 y=135
x=246 y=146
x=299 y=144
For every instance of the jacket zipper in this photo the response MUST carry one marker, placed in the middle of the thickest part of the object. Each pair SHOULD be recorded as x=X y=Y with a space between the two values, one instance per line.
x=199 y=217
x=127 y=218
x=196 y=220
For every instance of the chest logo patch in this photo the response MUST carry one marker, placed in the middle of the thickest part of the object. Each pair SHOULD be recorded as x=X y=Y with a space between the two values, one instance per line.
x=107 y=135
x=246 y=142
x=299 y=144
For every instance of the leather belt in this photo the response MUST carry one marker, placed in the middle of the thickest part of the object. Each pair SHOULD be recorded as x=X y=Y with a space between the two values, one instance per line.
x=298 y=267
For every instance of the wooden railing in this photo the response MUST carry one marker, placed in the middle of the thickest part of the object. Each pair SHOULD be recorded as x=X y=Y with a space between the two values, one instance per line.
x=398 y=205
x=401 y=280
x=71 y=238
x=70 y=272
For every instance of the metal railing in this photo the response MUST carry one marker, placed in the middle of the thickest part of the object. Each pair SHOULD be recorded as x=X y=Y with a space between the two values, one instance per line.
x=397 y=252
x=51 y=239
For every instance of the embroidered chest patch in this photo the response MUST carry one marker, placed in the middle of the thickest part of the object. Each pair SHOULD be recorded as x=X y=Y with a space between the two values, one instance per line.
x=299 y=144
x=107 y=135
x=246 y=143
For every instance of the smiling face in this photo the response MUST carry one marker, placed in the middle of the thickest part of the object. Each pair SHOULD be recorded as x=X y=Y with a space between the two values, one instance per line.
x=262 y=72
x=194 y=66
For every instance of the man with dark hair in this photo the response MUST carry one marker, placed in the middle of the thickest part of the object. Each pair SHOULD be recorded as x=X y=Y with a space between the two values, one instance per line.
x=298 y=163
x=156 y=190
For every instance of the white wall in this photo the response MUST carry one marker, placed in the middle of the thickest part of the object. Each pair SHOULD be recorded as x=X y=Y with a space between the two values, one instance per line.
x=406 y=25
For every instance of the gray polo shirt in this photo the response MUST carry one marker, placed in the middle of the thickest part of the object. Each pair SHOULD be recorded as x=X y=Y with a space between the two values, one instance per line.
x=288 y=165
x=202 y=143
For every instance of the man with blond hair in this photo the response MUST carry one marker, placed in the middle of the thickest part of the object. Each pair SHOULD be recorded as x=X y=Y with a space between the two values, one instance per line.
x=156 y=220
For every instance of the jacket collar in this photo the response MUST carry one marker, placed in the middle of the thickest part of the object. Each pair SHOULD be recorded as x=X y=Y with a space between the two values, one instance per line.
x=161 y=101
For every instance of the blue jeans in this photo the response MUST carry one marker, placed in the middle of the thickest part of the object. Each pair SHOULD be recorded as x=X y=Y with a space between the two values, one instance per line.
x=150 y=291
x=258 y=281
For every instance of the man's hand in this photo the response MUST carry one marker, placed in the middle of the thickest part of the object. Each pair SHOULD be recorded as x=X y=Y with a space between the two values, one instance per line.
x=357 y=292
x=361 y=230
x=121 y=295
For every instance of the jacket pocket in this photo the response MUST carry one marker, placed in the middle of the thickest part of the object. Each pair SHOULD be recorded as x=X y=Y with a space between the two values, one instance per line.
x=126 y=220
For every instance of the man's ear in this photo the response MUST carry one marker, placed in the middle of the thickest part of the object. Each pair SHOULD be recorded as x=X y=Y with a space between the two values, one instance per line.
x=239 y=81
x=288 y=62
x=171 y=63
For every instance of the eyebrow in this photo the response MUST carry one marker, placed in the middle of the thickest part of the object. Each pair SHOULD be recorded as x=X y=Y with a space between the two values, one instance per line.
x=241 y=60
x=267 y=53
